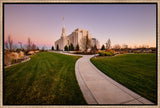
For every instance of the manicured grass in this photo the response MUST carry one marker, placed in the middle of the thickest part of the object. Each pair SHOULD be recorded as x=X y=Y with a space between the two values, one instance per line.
x=135 y=71
x=48 y=78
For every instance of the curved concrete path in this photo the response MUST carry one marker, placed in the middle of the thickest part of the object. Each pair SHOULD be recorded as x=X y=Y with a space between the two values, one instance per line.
x=97 y=88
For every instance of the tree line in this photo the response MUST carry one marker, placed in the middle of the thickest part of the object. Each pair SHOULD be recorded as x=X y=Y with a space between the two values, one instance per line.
x=9 y=45
x=118 y=47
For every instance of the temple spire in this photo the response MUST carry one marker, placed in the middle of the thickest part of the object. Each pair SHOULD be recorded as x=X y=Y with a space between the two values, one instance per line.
x=63 y=21
x=63 y=29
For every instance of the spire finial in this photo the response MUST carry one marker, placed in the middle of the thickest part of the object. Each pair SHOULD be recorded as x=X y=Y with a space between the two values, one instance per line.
x=63 y=21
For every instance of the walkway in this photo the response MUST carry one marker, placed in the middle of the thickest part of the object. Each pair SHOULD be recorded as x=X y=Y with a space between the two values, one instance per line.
x=98 y=88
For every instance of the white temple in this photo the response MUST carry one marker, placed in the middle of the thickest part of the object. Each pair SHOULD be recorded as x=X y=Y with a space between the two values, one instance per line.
x=74 y=38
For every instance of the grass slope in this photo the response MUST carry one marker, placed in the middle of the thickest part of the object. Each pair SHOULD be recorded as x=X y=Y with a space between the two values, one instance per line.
x=135 y=71
x=48 y=78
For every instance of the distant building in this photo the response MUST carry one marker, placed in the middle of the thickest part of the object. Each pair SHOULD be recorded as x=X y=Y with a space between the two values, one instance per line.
x=74 y=38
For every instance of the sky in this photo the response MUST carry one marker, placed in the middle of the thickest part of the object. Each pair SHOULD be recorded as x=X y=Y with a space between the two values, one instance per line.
x=131 y=24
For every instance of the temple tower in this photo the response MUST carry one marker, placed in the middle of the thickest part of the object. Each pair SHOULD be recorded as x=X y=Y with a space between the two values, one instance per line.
x=63 y=30
x=63 y=37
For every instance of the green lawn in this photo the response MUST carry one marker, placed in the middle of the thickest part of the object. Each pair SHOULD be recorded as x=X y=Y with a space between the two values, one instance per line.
x=135 y=71
x=48 y=78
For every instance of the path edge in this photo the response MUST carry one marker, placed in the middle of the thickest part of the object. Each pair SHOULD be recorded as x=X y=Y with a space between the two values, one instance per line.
x=88 y=96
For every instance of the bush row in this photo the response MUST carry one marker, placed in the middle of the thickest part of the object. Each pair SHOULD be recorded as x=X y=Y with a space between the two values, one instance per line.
x=103 y=53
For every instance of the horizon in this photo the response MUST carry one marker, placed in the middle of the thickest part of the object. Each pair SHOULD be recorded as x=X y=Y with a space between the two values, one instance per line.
x=131 y=24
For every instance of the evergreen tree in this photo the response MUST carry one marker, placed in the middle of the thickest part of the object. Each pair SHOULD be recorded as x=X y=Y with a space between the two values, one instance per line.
x=77 y=47
x=57 y=47
x=71 y=47
x=37 y=48
x=103 y=47
x=52 y=48
x=66 y=48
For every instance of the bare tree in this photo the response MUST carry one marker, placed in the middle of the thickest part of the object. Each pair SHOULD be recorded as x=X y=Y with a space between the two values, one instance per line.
x=85 y=43
x=43 y=48
x=97 y=44
x=10 y=43
x=14 y=47
x=34 y=47
x=29 y=44
x=88 y=43
x=94 y=49
x=20 y=45
x=108 y=44
x=135 y=47
x=145 y=46
x=117 y=47
x=6 y=45
x=125 y=46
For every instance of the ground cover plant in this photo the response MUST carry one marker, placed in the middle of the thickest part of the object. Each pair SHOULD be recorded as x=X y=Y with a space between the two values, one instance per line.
x=103 y=53
x=48 y=78
x=135 y=71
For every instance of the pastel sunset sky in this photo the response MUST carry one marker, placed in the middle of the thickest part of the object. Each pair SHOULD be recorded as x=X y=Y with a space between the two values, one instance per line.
x=131 y=24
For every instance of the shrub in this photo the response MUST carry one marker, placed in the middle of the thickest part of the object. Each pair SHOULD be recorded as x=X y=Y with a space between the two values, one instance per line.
x=30 y=53
x=7 y=59
x=103 y=53
x=21 y=54
x=71 y=47
x=78 y=52
x=109 y=50
x=14 y=55
x=13 y=61
x=66 y=48
x=57 y=47
x=77 y=47
x=52 y=48
x=36 y=51
x=10 y=58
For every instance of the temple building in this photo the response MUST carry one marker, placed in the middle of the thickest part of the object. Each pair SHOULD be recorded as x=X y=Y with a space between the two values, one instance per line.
x=74 y=38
